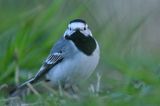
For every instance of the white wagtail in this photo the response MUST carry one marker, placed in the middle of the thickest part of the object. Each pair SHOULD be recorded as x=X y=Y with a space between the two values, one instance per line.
x=72 y=59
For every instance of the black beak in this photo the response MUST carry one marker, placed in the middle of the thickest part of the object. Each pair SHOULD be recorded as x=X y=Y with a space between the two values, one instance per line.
x=77 y=30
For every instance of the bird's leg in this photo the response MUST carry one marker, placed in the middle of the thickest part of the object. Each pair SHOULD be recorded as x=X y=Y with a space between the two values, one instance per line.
x=71 y=91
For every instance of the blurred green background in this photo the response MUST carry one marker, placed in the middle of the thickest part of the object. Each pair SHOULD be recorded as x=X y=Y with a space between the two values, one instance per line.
x=127 y=32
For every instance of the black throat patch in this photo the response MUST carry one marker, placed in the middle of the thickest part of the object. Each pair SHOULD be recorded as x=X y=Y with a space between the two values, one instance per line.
x=86 y=44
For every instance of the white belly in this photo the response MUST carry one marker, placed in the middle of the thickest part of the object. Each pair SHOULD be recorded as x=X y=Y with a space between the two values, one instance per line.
x=74 y=70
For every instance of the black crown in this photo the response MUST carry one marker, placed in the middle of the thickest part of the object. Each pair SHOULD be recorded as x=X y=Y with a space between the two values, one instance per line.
x=77 y=20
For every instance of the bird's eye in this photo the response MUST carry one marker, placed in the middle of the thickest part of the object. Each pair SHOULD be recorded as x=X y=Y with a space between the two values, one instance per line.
x=70 y=28
x=84 y=28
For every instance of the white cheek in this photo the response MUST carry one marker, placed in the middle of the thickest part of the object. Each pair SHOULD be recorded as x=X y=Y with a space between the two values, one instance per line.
x=89 y=32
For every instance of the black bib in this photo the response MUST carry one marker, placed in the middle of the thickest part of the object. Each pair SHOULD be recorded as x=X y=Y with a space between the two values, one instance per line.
x=86 y=44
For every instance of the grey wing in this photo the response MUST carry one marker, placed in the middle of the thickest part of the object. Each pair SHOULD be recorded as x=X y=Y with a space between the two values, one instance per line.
x=50 y=62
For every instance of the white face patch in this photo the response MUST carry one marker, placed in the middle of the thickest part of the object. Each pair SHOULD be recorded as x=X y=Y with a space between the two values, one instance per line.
x=83 y=28
x=77 y=25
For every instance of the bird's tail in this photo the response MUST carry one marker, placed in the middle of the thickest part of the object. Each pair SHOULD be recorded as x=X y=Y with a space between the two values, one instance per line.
x=21 y=89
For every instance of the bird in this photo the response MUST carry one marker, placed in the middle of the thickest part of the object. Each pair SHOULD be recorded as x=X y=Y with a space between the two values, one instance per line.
x=71 y=60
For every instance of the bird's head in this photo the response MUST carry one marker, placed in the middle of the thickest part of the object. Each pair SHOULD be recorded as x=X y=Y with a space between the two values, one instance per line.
x=78 y=26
